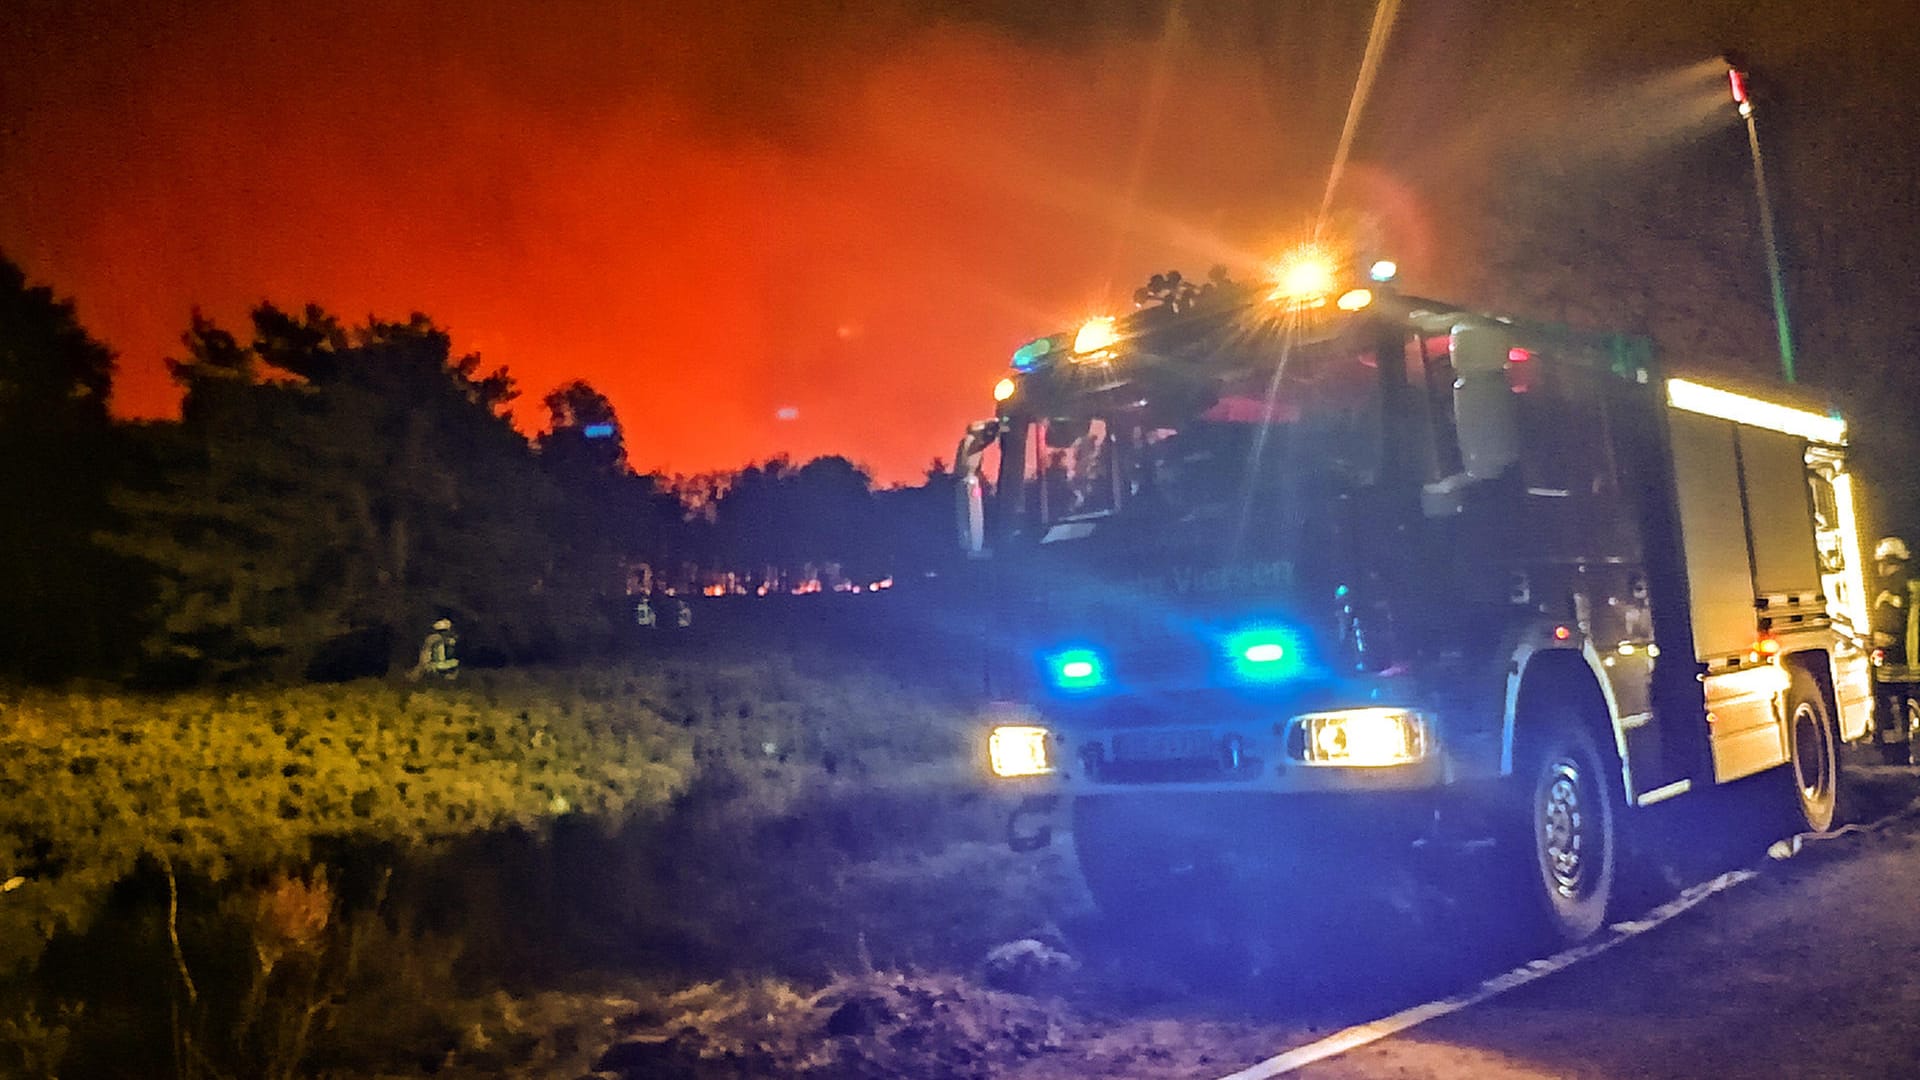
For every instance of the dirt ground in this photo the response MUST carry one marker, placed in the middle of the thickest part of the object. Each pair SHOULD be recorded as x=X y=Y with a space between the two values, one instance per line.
x=1812 y=968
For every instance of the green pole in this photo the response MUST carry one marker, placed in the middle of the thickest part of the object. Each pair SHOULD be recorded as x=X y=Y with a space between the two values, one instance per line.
x=1781 y=326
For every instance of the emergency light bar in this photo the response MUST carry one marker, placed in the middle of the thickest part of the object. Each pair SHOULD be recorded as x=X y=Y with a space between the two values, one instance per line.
x=1712 y=401
x=1095 y=336
x=1030 y=354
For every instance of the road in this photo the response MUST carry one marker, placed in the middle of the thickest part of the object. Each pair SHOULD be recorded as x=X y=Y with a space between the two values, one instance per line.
x=1809 y=968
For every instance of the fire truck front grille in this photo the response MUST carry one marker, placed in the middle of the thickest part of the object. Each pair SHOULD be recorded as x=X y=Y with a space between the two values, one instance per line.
x=1166 y=772
x=1168 y=756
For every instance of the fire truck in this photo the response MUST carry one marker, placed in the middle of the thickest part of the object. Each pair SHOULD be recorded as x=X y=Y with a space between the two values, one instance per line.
x=1280 y=570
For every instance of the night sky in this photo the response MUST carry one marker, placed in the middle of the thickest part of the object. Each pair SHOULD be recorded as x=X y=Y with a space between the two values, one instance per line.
x=849 y=213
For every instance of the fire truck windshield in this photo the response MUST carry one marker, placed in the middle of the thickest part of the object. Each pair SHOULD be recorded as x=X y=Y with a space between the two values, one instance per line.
x=1196 y=451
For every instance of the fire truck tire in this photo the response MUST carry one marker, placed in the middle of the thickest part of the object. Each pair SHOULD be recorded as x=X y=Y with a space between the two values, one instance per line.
x=1571 y=855
x=1816 y=784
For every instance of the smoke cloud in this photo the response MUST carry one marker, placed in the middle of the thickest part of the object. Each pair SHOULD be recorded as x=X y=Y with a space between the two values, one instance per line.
x=801 y=227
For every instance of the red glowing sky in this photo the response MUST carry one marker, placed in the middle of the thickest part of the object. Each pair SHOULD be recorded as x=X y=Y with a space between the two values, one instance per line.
x=853 y=212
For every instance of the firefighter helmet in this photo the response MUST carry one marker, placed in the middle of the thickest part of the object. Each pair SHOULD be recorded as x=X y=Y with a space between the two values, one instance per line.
x=443 y=624
x=1891 y=549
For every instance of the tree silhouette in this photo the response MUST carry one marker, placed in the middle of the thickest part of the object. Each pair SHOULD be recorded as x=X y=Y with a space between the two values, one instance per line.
x=583 y=434
x=330 y=485
x=330 y=490
x=61 y=599
x=834 y=517
x=617 y=522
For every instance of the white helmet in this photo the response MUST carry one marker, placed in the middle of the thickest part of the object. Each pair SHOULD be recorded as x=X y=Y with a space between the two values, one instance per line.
x=443 y=624
x=1891 y=549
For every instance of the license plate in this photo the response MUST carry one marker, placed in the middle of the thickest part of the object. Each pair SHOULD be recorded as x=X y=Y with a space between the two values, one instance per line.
x=1163 y=745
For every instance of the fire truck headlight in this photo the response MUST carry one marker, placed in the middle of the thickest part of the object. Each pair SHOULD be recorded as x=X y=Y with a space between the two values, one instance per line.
x=1019 y=750
x=1004 y=389
x=1364 y=738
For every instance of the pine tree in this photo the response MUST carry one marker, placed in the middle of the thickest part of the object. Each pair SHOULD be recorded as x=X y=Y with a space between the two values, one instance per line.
x=331 y=491
x=61 y=598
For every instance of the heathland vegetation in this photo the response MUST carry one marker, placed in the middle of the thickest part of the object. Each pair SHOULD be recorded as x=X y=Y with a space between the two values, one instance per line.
x=359 y=878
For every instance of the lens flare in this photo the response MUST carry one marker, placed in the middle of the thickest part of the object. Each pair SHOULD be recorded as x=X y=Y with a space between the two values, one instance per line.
x=1095 y=336
x=1304 y=277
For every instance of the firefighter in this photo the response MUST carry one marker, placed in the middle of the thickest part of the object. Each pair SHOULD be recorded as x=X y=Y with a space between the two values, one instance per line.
x=1893 y=603
x=644 y=616
x=682 y=614
x=1896 y=640
x=436 y=653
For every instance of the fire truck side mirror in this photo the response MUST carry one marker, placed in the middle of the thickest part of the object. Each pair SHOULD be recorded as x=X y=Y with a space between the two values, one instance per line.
x=980 y=435
x=969 y=487
x=1483 y=406
x=972 y=514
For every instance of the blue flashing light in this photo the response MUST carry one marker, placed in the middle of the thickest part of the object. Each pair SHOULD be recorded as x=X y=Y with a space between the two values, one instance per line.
x=1026 y=356
x=1077 y=669
x=1265 y=654
x=597 y=431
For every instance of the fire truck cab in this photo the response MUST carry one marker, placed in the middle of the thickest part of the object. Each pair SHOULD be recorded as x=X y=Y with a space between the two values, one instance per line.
x=1322 y=561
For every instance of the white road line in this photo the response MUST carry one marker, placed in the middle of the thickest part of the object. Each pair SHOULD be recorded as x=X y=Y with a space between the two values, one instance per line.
x=1361 y=1035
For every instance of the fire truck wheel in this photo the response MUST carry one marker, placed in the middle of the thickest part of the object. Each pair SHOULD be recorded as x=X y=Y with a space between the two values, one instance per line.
x=1571 y=863
x=1813 y=757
